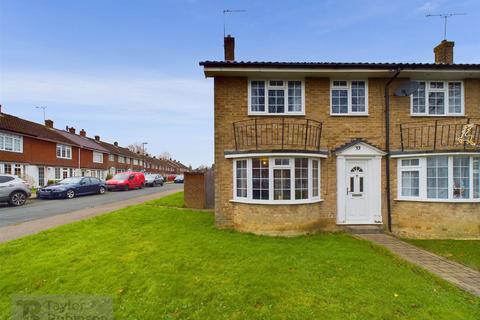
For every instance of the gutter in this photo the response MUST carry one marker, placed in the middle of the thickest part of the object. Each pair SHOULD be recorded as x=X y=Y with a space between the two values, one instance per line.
x=387 y=145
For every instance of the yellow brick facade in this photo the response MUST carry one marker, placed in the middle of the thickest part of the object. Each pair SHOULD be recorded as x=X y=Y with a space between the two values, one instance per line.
x=416 y=219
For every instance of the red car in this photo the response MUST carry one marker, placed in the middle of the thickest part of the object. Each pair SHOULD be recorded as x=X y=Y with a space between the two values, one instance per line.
x=126 y=181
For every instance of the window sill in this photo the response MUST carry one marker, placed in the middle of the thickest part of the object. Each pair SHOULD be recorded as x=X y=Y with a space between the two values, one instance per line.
x=437 y=115
x=64 y=158
x=349 y=114
x=276 y=202
x=440 y=200
x=13 y=151
x=263 y=114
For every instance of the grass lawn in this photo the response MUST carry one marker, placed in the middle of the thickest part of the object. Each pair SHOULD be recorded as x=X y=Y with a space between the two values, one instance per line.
x=173 y=200
x=159 y=262
x=466 y=252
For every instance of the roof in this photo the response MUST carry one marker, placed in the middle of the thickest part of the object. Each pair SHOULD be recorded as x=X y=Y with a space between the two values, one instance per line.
x=82 y=141
x=338 y=65
x=29 y=128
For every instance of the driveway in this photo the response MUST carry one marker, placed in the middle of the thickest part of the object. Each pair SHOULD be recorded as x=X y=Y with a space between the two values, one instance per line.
x=38 y=209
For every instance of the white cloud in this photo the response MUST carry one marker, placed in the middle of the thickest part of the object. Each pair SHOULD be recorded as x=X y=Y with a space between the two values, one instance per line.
x=429 y=6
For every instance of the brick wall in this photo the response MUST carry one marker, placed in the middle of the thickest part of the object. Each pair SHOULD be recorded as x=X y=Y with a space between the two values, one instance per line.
x=194 y=190
x=231 y=105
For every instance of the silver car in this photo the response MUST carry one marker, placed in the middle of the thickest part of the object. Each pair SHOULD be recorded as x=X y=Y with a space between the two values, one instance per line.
x=13 y=190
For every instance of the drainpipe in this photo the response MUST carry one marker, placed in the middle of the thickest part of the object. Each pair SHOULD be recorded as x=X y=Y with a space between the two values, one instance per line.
x=387 y=146
x=79 y=160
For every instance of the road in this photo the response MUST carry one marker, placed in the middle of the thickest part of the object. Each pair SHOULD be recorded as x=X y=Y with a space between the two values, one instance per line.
x=36 y=209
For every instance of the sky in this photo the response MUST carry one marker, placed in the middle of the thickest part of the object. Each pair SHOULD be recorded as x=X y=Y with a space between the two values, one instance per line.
x=127 y=70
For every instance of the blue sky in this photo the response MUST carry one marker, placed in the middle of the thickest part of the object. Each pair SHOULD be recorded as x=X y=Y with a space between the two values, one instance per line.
x=128 y=70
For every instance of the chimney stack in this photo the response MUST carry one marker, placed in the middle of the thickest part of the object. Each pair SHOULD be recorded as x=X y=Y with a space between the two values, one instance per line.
x=229 y=47
x=444 y=52
x=97 y=138
x=115 y=144
x=71 y=130
x=83 y=133
x=49 y=123
x=0 y=108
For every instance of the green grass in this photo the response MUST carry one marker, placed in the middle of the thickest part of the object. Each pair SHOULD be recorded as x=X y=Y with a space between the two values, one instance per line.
x=466 y=252
x=166 y=263
x=173 y=200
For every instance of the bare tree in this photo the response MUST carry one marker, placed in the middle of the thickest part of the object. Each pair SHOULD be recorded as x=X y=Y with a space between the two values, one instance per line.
x=137 y=148
x=165 y=155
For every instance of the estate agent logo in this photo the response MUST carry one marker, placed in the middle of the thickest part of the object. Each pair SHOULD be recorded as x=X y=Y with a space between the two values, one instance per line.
x=61 y=307
x=467 y=134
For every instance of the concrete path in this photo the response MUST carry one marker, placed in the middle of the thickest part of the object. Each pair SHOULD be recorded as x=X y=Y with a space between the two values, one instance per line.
x=460 y=275
x=31 y=227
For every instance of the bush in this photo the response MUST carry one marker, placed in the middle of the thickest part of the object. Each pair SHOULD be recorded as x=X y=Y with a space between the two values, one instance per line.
x=109 y=176
x=50 y=182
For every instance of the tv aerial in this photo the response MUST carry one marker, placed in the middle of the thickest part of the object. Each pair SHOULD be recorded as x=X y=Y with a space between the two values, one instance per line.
x=225 y=11
x=445 y=17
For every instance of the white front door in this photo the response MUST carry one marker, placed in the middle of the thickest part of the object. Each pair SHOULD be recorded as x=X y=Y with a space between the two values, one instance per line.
x=357 y=195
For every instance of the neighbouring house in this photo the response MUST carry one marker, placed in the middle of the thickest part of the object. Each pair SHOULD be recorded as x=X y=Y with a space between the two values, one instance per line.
x=92 y=158
x=302 y=147
x=35 y=152
x=39 y=153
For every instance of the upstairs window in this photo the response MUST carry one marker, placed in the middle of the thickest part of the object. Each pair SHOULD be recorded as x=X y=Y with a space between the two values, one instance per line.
x=349 y=97
x=111 y=157
x=97 y=157
x=438 y=98
x=64 y=152
x=11 y=142
x=276 y=97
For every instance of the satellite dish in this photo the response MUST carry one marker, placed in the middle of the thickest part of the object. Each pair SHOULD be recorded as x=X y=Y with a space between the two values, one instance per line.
x=407 y=88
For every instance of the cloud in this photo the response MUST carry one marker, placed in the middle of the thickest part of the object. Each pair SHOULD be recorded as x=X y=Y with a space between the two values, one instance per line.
x=428 y=6
x=116 y=95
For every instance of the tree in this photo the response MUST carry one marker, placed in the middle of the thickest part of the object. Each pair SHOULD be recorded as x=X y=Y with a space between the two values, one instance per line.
x=165 y=155
x=137 y=148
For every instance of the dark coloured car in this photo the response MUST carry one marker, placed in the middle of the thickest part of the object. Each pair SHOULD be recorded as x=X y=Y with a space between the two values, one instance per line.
x=153 y=180
x=179 y=179
x=71 y=187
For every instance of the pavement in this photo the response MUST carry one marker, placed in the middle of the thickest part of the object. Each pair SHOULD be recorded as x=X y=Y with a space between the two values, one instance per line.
x=458 y=274
x=39 y=215
x=42 y=208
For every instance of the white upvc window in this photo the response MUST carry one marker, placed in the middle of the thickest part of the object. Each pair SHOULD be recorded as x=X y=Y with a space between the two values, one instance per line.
x=438 y=98
x=276 y=97
x=444 y=178
x=276 y=180
x=97 y=157
x=111 y=157
x=64 y=152
x=135 y=162
x=121 y=159
x=11 y=142
x=128 y=160
x=349 y=97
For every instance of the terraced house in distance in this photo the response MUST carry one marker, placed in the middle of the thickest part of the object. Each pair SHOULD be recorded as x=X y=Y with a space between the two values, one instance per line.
x=307 y=146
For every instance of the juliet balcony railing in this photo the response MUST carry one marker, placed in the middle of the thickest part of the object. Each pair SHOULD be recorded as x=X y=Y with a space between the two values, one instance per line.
x=438 y=135
x=277 y=134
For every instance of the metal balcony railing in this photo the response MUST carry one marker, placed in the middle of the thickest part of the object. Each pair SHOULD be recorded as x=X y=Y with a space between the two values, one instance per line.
x=444 y=134
x=277 y=134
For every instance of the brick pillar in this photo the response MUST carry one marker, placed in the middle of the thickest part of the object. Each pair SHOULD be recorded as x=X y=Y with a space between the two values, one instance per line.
x=194 y=190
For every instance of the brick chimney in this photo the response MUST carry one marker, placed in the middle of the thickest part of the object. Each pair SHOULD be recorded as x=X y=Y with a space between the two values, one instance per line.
x=229 y=47
x=444 y=52
x=83 y=133
x=97 y=138
x=0 y=108
x=49 y=123
x=71 y=130
x=115 y=144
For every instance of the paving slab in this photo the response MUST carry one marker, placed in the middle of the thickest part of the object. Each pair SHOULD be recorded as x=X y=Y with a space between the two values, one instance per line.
x=466 y=278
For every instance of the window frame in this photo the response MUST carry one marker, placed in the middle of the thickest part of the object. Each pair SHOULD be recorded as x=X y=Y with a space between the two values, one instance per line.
x=271 y=167
x=66 y=148
x=422 y=168
x=15 y=138
x=97 y=157
x=446 y=106
x=348 y=87
x=285 y=89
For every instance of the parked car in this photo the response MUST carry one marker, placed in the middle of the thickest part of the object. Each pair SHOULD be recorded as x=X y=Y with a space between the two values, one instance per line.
x=126 y=181
x=71 y=187
x=179 y=179
x=153 y=180
x=13 y=190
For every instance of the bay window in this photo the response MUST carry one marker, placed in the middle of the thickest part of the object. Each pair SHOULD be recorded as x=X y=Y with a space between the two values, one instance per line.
x=348 y=97
x=453 y=178
x=276 y=97
x=282 y=180
x=438 y=98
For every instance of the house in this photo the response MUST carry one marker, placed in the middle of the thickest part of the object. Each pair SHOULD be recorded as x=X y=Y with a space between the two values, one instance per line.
x=35 y=152
x=92 y=159
x=302 y=147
